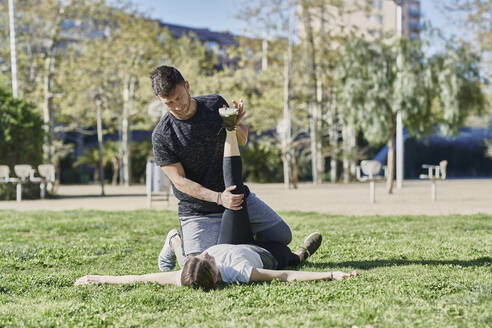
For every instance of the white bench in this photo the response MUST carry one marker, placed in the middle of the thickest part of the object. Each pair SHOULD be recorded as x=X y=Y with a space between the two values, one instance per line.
x=4 y=174
x=23 y=172
x=434 y=173
x=370 y=169
x=47 y=177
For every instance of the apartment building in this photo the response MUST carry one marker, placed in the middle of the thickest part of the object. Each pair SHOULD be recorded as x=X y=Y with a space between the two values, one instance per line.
x=368 y=18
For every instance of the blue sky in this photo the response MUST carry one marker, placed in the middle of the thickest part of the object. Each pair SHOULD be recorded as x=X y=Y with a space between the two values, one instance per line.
x=216 y=15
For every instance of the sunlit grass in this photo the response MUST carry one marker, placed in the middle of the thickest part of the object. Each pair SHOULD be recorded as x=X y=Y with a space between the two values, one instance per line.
x=413 y=271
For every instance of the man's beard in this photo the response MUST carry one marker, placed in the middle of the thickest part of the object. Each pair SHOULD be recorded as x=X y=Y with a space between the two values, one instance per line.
x=189 y=101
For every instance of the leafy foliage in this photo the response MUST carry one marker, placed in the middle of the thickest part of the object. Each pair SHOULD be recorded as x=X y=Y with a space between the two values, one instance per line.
x=21 y=137
x=458 y=86
x=261 y=162
x=377 y=78
x=141 y=153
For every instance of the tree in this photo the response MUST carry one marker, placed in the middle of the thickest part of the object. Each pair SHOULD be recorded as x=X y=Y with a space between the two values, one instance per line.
x=276 y=20
x=46 y=27
x=89 y=68
x=442 y=90
x=92 y=158
x=134 y=42
x=477 y=16
x=457 y=87
x=21 y=136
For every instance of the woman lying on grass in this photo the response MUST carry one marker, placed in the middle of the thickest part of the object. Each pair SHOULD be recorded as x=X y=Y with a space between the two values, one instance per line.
x=237 y=257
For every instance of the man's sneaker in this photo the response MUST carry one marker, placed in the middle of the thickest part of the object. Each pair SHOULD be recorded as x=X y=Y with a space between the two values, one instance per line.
x=167 y=257
x=229 y=117
x=310 y=245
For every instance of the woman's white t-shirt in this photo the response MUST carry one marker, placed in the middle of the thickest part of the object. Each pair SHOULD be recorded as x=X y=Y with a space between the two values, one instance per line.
x=235 y=262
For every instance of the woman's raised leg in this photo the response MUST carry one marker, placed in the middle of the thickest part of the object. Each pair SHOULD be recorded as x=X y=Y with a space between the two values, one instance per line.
x=235 y=226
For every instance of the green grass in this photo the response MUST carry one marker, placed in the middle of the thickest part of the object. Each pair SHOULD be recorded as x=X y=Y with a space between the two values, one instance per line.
x=413 y=271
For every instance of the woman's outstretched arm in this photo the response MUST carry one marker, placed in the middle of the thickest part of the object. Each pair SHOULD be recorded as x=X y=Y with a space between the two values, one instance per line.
x=162 y=278
x=289 y=275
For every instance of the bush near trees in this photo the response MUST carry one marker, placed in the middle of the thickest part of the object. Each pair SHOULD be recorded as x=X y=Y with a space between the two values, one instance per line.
x=21 y=137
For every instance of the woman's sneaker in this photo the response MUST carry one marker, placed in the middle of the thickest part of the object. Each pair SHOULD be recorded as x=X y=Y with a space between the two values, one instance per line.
x=229 y=117
x=310 y=245
x=167 y=257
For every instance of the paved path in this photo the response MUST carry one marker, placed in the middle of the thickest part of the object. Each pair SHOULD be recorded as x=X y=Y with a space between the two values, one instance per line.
x=453 y=197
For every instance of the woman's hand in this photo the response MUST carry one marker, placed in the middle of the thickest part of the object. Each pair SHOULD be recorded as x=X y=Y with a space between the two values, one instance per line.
x=87 y=280
x=338 y=275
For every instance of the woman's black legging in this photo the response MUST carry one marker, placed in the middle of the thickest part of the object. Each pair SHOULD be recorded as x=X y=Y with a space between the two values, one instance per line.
x=235 y=227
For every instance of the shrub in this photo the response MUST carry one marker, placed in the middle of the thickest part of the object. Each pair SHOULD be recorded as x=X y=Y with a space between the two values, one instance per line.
x=21 y=139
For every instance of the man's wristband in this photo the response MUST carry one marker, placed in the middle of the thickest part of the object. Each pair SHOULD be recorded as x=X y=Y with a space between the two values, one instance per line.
x=218 y=198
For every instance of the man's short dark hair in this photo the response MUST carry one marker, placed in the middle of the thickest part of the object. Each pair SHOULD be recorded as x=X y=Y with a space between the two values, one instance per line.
x=164 y=79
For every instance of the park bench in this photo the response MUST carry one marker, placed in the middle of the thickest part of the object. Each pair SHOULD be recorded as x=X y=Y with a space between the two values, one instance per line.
x=5 y=175
x=25 y=173
x=434 y=173
x=22 y=172
x=46 y=178
x=370 y=173
x=157 y=183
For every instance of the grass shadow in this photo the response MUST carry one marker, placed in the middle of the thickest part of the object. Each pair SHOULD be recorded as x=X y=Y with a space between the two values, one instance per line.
x=96 y=196
x=371 y=264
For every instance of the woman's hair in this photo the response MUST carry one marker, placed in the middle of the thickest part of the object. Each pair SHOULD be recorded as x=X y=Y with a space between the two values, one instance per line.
x=198 y=273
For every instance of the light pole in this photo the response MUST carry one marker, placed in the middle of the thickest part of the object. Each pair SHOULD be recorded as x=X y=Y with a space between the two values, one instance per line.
x=13 y=56
x=399 y=121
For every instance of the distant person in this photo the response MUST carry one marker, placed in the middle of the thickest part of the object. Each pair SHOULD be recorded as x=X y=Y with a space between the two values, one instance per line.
x=188 y=146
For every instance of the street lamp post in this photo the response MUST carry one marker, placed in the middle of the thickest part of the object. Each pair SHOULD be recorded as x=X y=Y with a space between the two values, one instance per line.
x=13 y=55
x=399 y=121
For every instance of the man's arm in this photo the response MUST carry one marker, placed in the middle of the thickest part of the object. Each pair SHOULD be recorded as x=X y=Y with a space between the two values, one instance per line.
x=176 y=174
x=162 y=278
x=288 y=275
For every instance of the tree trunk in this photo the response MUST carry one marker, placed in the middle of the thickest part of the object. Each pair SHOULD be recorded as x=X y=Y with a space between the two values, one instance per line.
x=346 y=153
x=116 y=167
x=264 y=53
x=100 y=144
x=286 y=149
x=48 y=110
x=128 y=90
x=294 y=172
x=314 y=106
x=320 y=160
x=314 y=149
x=390 y=165
x=48 y=107
x=349 y=144
x=333 y=142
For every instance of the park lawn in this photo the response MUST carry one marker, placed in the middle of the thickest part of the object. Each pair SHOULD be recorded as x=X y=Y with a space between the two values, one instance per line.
x=414 y=271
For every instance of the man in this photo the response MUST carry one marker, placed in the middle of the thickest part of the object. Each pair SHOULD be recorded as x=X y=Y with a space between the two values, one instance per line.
x=188 y=145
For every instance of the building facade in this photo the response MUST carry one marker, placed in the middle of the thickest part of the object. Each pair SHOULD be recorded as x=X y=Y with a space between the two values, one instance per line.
x=370 y=19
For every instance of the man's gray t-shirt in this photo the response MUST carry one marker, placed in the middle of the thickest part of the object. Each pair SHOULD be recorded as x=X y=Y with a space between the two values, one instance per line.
x=198 y=144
